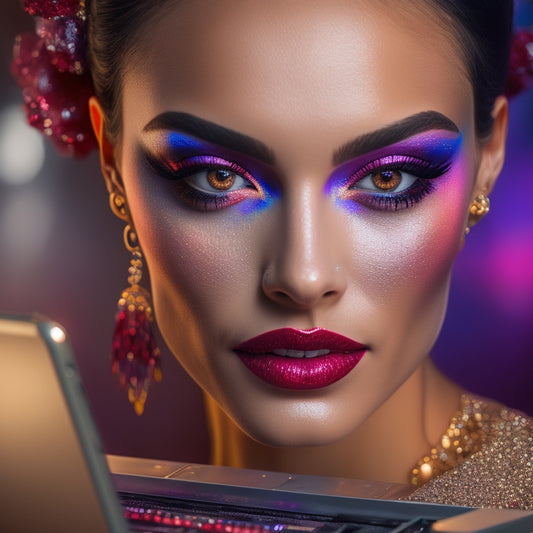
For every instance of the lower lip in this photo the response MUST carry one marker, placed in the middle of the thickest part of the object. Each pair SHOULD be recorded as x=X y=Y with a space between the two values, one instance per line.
x=302 y=373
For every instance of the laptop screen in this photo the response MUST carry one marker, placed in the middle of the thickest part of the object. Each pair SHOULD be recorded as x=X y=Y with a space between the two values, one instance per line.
x=49 y=483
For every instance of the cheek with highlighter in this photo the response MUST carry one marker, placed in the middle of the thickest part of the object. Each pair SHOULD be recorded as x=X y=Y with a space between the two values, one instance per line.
x=204 y=252
x=407 y=203
x=406 y=218
x=202 y=248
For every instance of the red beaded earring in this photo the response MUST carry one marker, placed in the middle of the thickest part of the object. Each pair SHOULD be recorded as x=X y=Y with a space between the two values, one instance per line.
x=136 y=358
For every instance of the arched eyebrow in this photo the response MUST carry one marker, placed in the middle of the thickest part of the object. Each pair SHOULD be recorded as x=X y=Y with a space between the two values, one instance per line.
x=213 y=133
x=368 y=142
x=393 y=133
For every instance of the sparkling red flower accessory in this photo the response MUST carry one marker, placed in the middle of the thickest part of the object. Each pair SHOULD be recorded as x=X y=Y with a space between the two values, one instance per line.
x=50 y=66
x=521 y=63
x=55 y=8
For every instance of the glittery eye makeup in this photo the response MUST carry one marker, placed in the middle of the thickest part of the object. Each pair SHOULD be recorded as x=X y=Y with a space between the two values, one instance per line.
x=398 y=176
x=211 y=177
x=203 y=181
x=394 y=183
x=209 y=182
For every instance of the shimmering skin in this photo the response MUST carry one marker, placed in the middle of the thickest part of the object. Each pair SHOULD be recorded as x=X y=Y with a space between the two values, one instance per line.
x=303 y=77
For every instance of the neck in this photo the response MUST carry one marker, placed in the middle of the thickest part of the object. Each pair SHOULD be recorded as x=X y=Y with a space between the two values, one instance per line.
x=383 y=448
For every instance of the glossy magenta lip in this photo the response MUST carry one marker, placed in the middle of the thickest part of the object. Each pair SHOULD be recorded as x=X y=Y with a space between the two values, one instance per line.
x=300 y=373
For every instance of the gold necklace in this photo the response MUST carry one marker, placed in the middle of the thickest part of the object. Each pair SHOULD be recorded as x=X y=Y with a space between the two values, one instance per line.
x=463 y=437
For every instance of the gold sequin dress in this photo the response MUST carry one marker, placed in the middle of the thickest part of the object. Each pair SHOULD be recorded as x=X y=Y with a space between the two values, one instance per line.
x=484 y=459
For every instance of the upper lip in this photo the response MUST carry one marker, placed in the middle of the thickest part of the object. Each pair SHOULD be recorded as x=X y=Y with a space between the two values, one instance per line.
x=299 y=340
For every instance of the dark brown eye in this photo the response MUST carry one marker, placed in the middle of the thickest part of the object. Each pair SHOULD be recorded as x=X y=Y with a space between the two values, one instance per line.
x=221 y=180
x=387 y=180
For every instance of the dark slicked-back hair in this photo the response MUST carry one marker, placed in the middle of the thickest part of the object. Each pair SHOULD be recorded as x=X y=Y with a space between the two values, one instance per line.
x=482 y=30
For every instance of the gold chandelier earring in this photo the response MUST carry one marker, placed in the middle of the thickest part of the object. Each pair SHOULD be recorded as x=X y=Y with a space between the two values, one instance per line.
x=136 y=359
x=479 y=207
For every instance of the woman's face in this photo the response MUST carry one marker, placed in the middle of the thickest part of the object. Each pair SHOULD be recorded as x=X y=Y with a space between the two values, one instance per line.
x=298 y=165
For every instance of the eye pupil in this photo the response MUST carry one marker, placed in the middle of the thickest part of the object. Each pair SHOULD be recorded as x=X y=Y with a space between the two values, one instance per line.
x=387 y=179
x=221 y=179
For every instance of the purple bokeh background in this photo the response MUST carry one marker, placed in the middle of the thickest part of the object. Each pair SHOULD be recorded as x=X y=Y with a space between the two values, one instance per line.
x=487 y=340
x=61 y=254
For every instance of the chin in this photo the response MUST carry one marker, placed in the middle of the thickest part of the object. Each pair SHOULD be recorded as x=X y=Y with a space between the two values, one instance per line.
x=308 y=435
x=284 y=419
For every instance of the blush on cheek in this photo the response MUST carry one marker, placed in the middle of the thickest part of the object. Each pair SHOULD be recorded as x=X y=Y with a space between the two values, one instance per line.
x=449 y=207
x=413 y=252
x=195 y=262
x=189 y=277
x=206 y=262
x=403 y=262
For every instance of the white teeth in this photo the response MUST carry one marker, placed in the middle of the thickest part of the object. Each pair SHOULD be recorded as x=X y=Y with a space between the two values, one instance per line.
x=299 y=353
x=315 y=353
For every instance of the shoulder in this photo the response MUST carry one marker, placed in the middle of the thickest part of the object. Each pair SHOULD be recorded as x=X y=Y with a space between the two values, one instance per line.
x=499 y=473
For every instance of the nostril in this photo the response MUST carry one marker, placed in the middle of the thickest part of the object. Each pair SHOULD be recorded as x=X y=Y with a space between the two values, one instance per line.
x=288 y=298
x=300 y=289
x=280 y=295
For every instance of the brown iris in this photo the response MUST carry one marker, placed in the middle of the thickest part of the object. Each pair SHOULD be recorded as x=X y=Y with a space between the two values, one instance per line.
x=221 y=180
x=387 y=179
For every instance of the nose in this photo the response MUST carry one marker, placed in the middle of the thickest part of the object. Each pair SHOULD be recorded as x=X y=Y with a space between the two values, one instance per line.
x=305 y=269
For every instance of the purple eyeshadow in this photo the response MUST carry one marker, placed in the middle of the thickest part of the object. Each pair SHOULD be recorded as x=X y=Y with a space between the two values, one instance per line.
x=426 y=156
x=183 y=156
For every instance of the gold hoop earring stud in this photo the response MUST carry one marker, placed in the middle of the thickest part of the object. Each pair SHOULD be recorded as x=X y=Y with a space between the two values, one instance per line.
x=479 y=207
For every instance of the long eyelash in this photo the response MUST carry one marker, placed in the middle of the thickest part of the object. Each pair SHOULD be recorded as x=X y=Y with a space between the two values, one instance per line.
x=422 y=169
x=202 y=202
x=402 y=200
x=184 y=168
x=178 y=171
x=419 y=167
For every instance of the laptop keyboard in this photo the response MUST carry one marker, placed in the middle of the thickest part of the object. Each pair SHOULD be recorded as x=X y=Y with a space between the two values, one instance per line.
x=161 y=515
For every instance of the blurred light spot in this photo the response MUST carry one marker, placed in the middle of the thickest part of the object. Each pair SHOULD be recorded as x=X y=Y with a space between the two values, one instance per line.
x=425 y=470
x=58 y=335
x=21 y=148
x=25 y=228
x=508 y=274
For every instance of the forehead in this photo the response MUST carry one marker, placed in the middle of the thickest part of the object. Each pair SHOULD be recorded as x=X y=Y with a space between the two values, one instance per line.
x=264 y=66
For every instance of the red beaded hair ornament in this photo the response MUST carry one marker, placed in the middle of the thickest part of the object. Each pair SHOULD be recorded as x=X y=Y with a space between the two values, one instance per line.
x=520 y=75
x=50 y=65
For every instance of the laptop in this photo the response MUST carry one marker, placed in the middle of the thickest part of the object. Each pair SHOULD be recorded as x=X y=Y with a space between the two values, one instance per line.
x=55 y=476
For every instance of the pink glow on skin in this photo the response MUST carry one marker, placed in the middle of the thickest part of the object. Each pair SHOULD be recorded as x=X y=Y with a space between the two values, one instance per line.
x=420 y=250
